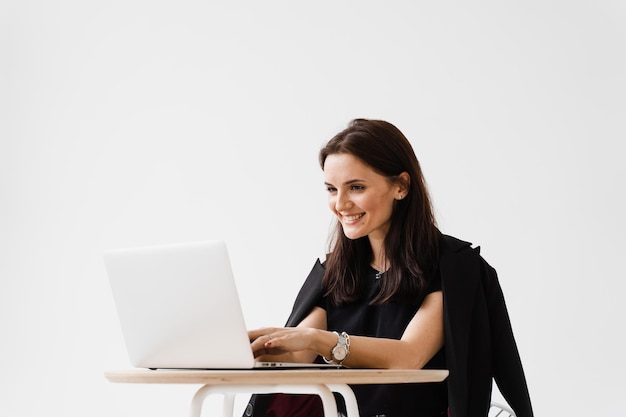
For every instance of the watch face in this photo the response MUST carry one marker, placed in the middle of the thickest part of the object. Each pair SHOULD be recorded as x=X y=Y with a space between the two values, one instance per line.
x=339 y=353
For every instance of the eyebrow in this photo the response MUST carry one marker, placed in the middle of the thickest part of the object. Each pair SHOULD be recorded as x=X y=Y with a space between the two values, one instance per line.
x=347 y=182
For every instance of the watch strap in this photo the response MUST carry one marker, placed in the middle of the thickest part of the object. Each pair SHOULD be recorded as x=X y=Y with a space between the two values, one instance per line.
x=343 y=343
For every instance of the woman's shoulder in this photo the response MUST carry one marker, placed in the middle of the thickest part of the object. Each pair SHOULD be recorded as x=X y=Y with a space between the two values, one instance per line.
x=454 y=251
x=459 y=258
x=450 y=244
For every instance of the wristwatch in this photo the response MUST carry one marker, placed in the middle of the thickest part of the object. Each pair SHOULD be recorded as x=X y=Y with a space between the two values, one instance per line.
x=341 y=351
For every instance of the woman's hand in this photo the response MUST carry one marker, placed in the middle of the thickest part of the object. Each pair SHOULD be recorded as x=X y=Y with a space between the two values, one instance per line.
x=279 y=341
x=290 y=344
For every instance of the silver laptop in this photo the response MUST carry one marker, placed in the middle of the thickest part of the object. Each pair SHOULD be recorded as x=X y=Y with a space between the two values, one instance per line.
x=178 y=307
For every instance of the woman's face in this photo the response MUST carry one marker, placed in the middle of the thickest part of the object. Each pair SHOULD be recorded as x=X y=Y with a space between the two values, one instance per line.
x=362 y=199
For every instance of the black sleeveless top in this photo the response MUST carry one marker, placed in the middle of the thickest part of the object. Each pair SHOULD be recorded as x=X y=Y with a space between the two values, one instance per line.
x=389 y=320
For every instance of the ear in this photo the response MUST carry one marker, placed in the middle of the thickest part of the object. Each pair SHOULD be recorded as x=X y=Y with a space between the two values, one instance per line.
x=403 y=183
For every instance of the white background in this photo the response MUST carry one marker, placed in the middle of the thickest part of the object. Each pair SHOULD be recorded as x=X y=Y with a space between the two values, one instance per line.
x=140 y=122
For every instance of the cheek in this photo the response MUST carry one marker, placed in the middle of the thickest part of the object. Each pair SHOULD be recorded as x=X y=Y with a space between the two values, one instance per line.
x=331 y=204
x=385 y=207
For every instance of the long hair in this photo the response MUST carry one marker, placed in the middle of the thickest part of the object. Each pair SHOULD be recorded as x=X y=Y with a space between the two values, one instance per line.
x=411 y=244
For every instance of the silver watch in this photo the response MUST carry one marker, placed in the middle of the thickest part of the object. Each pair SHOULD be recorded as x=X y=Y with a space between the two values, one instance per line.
x=341 y=351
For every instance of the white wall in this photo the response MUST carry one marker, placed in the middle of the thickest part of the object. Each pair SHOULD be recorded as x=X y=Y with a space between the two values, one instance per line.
x=138 y=122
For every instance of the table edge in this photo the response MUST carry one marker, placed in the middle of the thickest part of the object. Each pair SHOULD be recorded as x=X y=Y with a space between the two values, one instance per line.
x=279 y=376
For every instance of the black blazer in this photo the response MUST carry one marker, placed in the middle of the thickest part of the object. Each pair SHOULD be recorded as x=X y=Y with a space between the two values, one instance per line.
x=479 y=341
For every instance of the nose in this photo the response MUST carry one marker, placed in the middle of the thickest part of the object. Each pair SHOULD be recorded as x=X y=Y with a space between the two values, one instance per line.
x=342 y=201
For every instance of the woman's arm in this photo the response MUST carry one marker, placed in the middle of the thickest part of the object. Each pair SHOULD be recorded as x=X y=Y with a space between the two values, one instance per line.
x=422 y=338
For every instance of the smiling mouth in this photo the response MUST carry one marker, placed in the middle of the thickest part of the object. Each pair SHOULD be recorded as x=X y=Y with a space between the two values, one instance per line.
x=353 y=217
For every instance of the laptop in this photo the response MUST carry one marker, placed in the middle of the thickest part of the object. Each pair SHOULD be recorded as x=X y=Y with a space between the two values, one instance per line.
x=179 y=309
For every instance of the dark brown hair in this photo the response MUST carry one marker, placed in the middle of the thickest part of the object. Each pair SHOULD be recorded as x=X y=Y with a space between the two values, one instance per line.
x=411 y=245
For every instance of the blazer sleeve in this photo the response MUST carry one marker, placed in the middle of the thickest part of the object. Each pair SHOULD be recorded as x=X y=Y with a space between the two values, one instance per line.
x=508 y=372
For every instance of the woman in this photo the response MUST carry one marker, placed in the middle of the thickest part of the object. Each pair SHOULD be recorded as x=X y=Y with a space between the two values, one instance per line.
x=378 y=302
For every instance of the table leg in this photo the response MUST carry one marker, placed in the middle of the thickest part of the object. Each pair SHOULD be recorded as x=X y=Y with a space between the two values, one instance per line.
x=352 y=408
x=198 y=400
x=229 y=404
x=327 y=397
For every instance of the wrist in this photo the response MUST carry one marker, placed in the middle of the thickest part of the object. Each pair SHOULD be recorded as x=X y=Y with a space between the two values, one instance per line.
x=340 y=351
x=322 y=341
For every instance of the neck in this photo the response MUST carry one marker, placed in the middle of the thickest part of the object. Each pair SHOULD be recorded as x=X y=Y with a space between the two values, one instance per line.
x=379 y=260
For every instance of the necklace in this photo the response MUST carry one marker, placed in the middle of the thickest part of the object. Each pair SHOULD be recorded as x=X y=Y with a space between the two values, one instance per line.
x=379 y=271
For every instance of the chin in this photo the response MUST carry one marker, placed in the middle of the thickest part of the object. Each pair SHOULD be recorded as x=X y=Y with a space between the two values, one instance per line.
x=353 y=235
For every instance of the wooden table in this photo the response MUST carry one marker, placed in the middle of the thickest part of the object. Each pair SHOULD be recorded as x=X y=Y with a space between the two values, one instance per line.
x=295 y=381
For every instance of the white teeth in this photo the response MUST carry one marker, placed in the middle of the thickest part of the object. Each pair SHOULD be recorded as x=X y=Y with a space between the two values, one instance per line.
x=354 y=217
